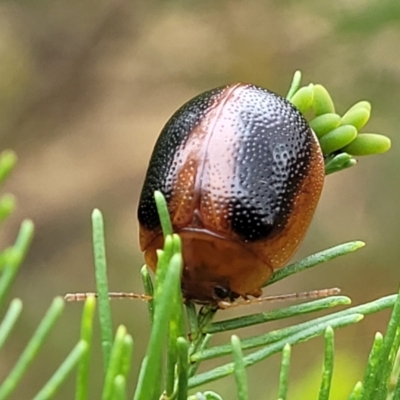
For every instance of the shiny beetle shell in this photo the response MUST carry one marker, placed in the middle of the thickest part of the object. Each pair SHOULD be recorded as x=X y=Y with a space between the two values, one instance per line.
x=242 y=173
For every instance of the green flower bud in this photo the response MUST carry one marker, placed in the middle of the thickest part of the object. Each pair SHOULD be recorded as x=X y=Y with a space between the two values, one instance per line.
x=303 y=99
x=325 y=123
x=368 y=143
x=323 y=103
x=338 y=138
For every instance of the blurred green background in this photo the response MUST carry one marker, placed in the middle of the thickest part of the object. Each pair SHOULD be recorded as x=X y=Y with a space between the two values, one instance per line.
x=85 y=88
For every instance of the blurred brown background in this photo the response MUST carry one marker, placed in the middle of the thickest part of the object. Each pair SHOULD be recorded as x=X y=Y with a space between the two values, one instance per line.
x=85 y=88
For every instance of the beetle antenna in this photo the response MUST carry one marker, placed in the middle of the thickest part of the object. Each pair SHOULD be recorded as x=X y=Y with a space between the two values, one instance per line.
x=312 y=294
x=111 y=295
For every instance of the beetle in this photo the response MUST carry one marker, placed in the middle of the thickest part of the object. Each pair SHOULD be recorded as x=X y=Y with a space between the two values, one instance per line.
x=242 y=173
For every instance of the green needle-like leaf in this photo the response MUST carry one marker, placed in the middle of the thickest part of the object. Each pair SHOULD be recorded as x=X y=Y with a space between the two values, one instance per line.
x=172 y=359
x=274 y=336
x=327 y=371
x=163 y=259
x=395 y=361
x=384 y=365
x=51 y=387
x=202 y=345
x=239 y=369
x=126 y=359
x=294 y=85
x=372 y=307
x=17 y=255
x=148 y=289
x=9 y=320
x=114 y=364
x=7 y=257
x=258 y=340
x=176 y=329
x=396 y=393
x=284 y=373
x=183 y=368
x=119 y=388
x=8 y=160
x=204 y=318
x=315 y=259
x=149 y=377
x=280 y=313
x=163 y=213
x=264 y=339
x=82 y=379
x=266 y=352
x=192 y=319
x=356 y=392
x=7 y=206
x=100 y=264
x=32 y=348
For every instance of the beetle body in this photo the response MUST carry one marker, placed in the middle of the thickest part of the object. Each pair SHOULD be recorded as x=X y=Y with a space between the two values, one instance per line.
x=242 y=173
